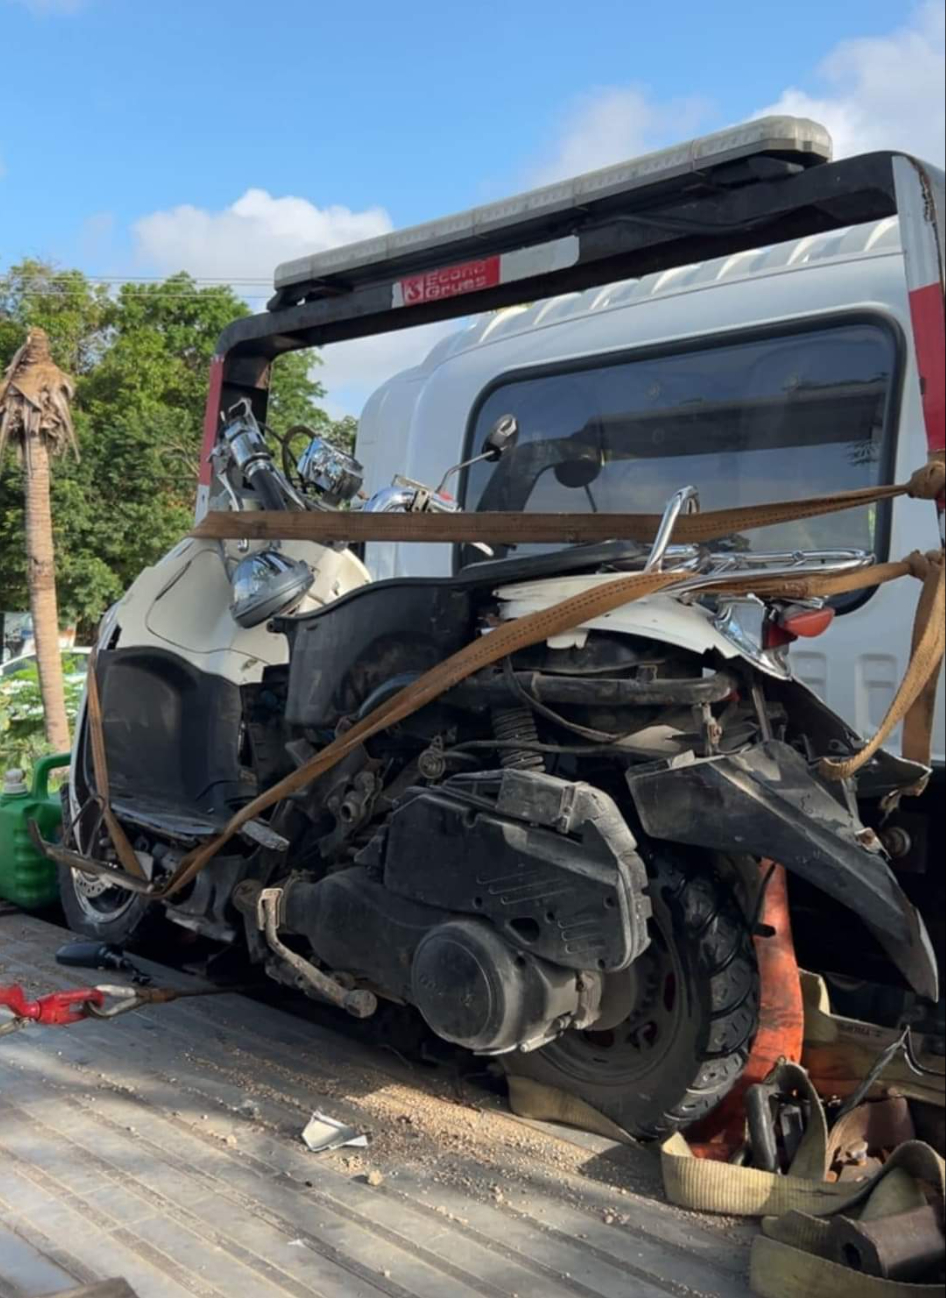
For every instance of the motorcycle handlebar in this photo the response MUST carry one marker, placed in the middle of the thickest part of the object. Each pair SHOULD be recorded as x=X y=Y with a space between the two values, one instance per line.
x=265 y=482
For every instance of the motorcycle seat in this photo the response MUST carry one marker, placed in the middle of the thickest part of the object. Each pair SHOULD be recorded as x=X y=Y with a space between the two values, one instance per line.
x=554 y=563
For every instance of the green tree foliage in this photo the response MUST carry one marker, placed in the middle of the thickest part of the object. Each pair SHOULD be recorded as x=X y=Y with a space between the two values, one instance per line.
x=343 y=432
x=293 y=397
x=140 y=360
x=22 y=733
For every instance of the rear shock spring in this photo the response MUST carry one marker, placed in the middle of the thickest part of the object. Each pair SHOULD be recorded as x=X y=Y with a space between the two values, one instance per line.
x=517 y=723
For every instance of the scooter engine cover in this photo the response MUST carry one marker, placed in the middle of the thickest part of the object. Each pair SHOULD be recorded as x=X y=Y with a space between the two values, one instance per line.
x=551 y=863
x=473 y=989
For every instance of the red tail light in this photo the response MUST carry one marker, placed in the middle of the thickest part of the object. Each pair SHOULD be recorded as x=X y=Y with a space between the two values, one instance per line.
x=793 y=623
x=808 y=622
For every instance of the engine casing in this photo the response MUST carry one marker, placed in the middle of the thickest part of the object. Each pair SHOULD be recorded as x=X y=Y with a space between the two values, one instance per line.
x=474 y=989
x=551 y=863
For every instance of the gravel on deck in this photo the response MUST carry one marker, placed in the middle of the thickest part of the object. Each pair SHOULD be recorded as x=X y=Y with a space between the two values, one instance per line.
x=165 y=1147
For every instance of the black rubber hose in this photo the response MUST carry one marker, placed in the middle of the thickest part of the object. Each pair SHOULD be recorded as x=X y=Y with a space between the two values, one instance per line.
x=599 y=691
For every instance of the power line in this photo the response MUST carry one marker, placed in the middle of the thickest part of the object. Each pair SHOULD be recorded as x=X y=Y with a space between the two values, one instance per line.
x=65 y=276
x=170 y=294
x=159 y=279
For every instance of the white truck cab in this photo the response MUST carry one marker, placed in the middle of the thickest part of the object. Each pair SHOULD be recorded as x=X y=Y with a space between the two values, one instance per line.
x=773 y=373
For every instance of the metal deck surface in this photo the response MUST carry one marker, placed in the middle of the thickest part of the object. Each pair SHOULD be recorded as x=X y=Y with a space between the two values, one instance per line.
x=165 y=1148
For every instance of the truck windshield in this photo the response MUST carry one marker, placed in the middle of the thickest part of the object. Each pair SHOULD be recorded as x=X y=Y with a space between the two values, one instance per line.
x=756 y=420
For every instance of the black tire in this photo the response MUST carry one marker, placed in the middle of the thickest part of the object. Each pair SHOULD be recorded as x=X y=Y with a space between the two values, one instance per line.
x=695 y=995
x=113 y=916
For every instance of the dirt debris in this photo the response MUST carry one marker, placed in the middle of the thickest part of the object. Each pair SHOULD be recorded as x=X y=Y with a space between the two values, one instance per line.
x=439 y=1126
x=464 y=1141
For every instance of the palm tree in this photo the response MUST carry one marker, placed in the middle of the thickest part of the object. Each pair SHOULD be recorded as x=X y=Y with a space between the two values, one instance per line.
x=34 y=414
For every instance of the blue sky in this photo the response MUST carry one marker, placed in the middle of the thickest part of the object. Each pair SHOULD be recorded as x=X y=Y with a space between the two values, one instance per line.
x=140 y=136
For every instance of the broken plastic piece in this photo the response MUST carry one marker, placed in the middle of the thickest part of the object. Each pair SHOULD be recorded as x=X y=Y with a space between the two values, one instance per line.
x=322 y=1133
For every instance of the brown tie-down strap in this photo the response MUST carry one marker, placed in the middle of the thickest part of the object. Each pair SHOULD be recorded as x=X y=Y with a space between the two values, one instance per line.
x=533 y=628
x=512 y=528
x=126 y=853
x=506 y=639
x=915 y=700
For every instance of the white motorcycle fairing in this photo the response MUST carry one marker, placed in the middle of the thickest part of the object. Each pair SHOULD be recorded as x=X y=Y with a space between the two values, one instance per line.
x=178 y=611
x=656 y=617
x=182 y=604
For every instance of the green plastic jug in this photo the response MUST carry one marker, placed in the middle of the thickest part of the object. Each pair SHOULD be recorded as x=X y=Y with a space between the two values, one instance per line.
x=27 y=878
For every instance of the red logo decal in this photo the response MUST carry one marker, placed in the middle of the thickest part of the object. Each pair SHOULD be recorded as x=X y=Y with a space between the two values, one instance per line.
x=450 y=281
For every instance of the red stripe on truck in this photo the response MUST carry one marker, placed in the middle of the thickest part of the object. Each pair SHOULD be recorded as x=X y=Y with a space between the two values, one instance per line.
x=929 y=342
x=211 y=419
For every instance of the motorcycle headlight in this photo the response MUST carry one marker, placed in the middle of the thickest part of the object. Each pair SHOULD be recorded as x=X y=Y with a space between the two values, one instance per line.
x=265 y=584
x=336 y=475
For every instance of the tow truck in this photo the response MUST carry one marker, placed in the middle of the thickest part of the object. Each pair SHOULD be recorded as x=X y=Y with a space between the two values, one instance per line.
x=164 y=1148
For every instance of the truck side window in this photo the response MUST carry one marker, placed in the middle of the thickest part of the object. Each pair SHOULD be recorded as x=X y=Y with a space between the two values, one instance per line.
x=758 y=419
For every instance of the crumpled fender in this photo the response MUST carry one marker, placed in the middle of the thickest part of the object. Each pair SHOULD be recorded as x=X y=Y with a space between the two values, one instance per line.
x=766 y=802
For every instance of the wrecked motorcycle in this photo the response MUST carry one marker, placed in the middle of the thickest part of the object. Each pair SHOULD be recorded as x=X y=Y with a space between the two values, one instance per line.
x=556 y=861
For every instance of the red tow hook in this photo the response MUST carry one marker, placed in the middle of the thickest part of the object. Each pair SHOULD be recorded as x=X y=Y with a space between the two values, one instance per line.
x=56 y=1010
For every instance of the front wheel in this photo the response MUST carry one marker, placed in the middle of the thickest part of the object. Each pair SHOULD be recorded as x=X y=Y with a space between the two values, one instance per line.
x=94 y=907
x=97 y=909
x=692 y=1003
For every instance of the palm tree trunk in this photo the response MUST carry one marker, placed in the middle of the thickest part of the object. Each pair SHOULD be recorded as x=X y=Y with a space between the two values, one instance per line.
x=41 y=579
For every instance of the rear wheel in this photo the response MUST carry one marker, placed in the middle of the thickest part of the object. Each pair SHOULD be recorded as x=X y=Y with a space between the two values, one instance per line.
x=691 y=1004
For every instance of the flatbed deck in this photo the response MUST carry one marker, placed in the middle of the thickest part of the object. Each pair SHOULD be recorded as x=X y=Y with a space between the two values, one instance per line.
x=165 y=1148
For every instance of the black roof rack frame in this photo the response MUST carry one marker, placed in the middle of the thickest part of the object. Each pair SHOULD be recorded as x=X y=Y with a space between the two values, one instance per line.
x=726 y=209
x=599 y=233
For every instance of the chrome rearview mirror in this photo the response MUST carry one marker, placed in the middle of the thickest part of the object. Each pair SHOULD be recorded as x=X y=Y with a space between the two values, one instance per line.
x=501 y=438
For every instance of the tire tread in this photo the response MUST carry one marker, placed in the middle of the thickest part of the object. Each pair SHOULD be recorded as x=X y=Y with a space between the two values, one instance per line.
x=722 y=958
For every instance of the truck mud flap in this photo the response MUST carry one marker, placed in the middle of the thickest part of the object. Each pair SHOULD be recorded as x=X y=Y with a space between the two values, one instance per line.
x=766 y=802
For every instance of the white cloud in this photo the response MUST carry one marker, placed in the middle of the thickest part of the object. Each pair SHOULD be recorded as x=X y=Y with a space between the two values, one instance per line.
x=244 y=243
x=880 y=92
x=611 y=124
x=871 y=92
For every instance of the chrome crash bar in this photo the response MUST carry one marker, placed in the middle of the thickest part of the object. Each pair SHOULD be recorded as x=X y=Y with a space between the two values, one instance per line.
x=684 y=501
x=769 y=565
